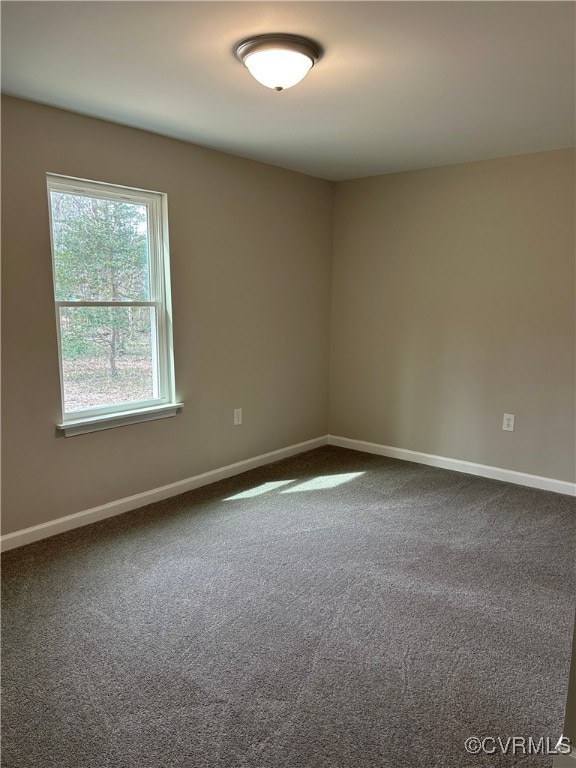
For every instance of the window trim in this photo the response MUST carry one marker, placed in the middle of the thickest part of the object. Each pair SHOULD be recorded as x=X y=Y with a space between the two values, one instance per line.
x=74 y=427
x=105 y=417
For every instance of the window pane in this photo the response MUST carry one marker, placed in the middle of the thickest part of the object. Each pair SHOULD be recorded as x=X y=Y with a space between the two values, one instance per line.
x=100 y=249
x=108 y=356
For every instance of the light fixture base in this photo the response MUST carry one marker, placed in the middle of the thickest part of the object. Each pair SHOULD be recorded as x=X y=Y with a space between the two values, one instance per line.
x=304 y=45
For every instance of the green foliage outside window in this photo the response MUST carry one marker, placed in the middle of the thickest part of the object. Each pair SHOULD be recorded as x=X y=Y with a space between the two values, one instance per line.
x=101 y=254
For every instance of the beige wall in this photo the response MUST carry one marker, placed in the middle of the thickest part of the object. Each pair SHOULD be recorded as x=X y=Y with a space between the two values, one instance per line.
x=250 y=260
x=452 y=304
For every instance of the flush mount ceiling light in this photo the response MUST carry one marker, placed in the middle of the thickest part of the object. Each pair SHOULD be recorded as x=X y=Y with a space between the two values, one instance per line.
x=278 y=61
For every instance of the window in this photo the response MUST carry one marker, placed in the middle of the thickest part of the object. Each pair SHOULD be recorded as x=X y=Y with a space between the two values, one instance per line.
x=112 y=292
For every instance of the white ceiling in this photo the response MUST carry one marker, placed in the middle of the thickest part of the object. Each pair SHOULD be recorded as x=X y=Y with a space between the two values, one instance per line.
x=402 y=85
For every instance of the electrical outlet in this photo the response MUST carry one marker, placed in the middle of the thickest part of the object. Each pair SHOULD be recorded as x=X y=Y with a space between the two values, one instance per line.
x=237 y=416
x=508 y=422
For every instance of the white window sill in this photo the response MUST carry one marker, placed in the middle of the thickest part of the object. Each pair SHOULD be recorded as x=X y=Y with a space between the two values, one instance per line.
x=81 y=426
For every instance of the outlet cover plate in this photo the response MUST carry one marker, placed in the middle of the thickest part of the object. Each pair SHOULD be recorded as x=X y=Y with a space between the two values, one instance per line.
x=508 y=422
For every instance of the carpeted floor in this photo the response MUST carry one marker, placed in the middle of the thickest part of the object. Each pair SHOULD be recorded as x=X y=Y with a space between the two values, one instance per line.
x=365 y=613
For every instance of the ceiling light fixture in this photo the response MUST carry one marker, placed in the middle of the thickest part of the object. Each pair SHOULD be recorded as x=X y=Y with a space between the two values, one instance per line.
x=278 y=61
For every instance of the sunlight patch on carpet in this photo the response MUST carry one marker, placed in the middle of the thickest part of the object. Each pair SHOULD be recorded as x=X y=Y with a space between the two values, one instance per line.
x=323 y=482
x=259 y=490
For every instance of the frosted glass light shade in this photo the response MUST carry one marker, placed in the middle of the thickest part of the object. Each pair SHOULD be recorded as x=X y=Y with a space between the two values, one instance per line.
x=278 y=61
x=277 y=68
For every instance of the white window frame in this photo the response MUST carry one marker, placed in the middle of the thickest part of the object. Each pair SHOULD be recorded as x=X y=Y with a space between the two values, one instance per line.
x=94 y=419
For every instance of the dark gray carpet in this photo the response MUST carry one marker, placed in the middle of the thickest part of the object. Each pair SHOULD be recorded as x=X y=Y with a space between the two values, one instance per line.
x=373 y=624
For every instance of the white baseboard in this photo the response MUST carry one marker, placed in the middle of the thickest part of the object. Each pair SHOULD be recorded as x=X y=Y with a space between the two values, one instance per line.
x=62 y=524
x=458 y=465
